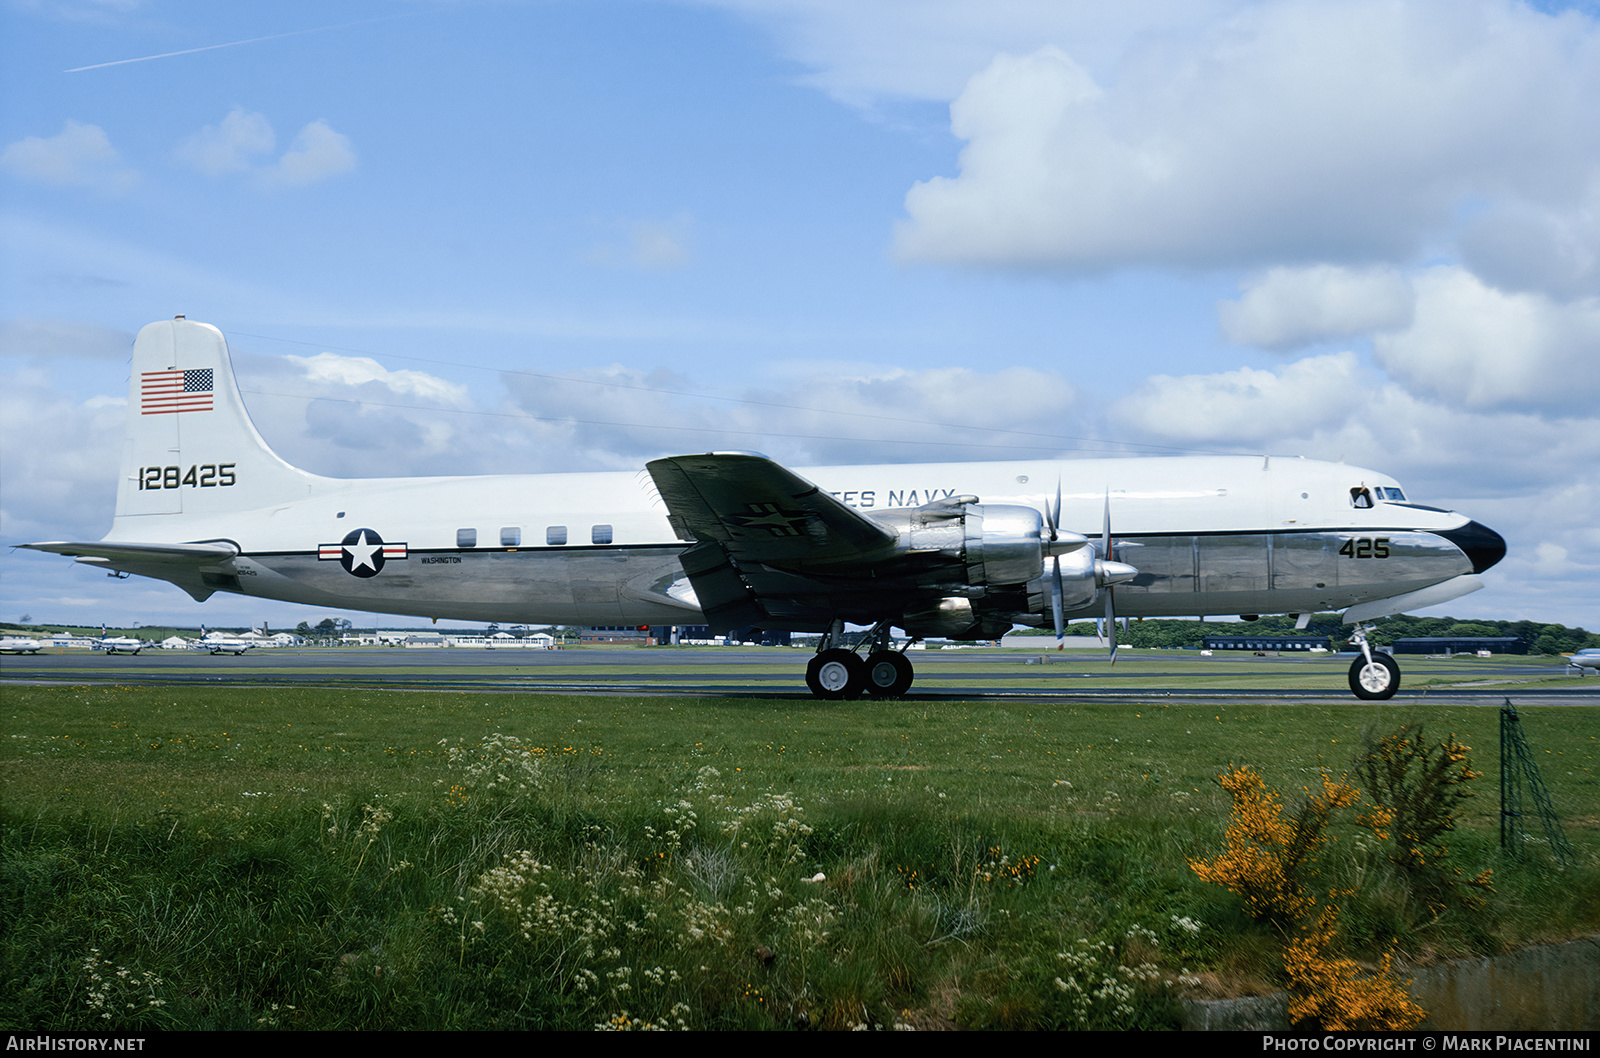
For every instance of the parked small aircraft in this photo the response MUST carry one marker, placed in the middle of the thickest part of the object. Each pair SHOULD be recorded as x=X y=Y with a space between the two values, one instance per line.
x=736 y=540
x=1585 y=659
x=19 y=645
x=220 y=643
x=119 y=644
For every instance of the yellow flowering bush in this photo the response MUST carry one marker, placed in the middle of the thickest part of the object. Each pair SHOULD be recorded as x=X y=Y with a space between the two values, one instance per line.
x=1269 y=857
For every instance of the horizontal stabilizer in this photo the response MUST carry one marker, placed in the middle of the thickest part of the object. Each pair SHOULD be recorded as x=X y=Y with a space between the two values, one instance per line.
x=196 y=568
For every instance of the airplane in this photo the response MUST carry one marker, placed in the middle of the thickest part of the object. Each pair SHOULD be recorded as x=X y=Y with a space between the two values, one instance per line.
x=218 y=643
x=119 y=644
x=736 y=540
x=19 y=645
x=1587 y=658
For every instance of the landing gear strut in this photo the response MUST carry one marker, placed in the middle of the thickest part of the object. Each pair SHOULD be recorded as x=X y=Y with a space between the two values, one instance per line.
x=838 y=672
x=1373 y=677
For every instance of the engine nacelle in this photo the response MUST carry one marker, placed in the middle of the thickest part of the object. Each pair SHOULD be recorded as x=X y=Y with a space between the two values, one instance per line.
x=1081 y=580
x=999 y=544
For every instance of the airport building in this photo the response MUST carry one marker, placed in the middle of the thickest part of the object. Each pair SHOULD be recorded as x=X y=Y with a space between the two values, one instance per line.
x=1448 y=645
x=1277 y=643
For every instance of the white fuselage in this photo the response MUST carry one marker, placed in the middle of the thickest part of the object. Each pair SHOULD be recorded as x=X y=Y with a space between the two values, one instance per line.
x=1209 y=535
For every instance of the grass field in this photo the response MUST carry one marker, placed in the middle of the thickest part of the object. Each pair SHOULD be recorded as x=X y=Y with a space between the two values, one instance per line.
x=341 y=858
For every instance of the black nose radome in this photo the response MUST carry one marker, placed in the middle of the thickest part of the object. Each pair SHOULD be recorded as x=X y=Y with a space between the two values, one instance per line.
x=1482 y=545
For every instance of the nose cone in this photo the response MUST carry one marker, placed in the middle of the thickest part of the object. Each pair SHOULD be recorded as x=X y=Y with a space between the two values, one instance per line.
x=1482 y=545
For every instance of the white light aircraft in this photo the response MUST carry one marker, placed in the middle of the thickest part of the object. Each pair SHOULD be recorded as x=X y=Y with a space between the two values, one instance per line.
x=735 y=540
x=220 y=643
x=1587 y=658
x=19 y=645
x=119 y=644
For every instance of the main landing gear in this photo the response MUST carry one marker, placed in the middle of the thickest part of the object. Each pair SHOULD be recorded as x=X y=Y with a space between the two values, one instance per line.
x=1373 y=677
x=839 y=672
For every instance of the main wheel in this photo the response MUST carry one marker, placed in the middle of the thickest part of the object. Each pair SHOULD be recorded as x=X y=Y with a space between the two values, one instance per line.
x=889 y=674
x=836 y=674
x=1376 y=680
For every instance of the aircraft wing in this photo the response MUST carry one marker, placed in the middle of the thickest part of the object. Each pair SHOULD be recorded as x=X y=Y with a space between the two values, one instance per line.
x=189 y=566
x=757 y=508
x=771 y=548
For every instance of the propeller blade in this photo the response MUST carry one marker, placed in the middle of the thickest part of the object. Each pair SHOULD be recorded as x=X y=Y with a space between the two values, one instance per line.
x=1111 y=624
x=1056 y=592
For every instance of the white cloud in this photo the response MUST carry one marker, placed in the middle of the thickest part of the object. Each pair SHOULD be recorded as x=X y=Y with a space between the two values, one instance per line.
x=238 y=143
x=79 y=155
x=1248 y=406
x=230 y=146
x=317 y=153
x=335 y=369
x=1286 y=308
x=1291 y=131
x=58 y=459
x=1523 y=246
x=1484 y=348
x=861 y=51
x=349 y=416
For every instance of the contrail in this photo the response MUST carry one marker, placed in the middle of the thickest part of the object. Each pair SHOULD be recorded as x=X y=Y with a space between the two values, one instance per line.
x=235 y=43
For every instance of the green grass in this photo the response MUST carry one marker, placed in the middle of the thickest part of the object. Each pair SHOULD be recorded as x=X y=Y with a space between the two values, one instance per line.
x=312 y=858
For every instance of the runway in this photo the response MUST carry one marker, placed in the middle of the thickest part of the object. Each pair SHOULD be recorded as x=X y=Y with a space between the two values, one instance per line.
x=776 y=672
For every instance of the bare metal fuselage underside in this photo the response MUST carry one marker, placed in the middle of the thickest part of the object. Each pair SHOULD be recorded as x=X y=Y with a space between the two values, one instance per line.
x=1179 y=575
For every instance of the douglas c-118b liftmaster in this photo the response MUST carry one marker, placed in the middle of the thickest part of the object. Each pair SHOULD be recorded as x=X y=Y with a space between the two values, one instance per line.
x=959 y=550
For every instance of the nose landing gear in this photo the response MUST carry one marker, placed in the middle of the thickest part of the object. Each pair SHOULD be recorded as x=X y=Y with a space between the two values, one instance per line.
x=1373 y=677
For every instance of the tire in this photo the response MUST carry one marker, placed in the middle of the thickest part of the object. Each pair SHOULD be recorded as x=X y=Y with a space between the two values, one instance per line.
x=836 y=674
x=889 y=674
x=1376 y=681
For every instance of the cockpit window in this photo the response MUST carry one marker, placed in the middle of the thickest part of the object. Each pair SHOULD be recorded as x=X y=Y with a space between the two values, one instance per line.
x=1391 y=495
x=1361 y=496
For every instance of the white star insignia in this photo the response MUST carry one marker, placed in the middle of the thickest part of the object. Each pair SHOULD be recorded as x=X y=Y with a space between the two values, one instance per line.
x=361 y=552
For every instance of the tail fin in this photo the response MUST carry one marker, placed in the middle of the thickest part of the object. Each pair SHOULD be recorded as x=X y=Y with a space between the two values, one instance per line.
x=191 y=448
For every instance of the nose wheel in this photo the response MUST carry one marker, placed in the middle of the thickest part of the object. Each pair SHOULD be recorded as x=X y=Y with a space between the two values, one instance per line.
x=1374 y=680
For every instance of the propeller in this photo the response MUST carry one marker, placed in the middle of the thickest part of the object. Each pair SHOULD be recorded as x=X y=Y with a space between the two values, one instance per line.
x=1052 y=515
x=1059 y=544
x=1109 y=573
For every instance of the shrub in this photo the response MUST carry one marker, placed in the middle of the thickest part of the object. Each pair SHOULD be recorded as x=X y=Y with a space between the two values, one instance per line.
x=1269 y=858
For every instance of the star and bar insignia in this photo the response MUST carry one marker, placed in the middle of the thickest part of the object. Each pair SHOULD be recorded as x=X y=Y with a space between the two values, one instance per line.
x=772 y=518
x=362 y=552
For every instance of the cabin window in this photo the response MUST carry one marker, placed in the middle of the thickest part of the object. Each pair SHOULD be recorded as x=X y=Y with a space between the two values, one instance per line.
x=1361 y=496
x=600 y=534
x=466 y=538
x=511 y=536
x=555 y=535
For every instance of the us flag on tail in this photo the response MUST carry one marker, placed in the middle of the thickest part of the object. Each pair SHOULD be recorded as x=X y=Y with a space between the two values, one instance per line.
x=170 y=392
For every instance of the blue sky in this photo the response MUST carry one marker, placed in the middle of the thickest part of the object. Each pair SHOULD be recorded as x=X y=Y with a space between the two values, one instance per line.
x=515 y=235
